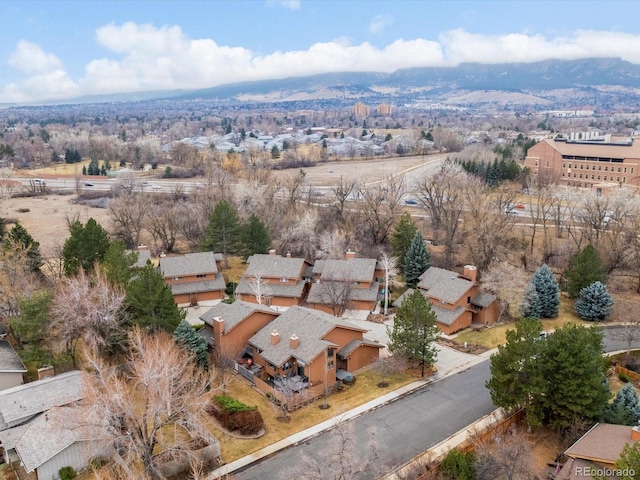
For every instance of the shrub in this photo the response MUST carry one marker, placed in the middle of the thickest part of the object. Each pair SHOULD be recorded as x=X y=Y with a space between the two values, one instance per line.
x=67 y=473
x=624 y=377
x=230 y=288
x=236 y=416
x=458 y=466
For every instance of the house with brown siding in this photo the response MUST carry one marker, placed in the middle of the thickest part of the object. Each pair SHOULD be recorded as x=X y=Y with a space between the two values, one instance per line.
x=347 y=284
x=231 y=325
x=194 y=277
x=310 y=344
x=456 y=299
x=273 y=280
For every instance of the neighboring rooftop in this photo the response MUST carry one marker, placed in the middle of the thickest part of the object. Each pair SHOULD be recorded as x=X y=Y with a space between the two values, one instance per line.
x=444 y=284
x=199 y=286
x=275 y=266
x=189 y=264
x=18 y=404
x=347 y=270
x=9 y=359
x=272 y=289
x=603 y=443
x=233 y=313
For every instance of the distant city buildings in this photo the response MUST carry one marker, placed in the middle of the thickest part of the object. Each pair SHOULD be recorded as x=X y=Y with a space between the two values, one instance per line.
x=362 y=110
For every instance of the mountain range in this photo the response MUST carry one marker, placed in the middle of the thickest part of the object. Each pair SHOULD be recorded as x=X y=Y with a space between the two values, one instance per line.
x=598 y=82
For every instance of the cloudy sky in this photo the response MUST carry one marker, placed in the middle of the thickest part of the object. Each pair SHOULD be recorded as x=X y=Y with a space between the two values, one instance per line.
x=64 y=49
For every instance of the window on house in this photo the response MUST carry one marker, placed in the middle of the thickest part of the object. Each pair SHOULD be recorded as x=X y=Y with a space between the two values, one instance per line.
x=592 y=177
x=201 y=275
x=284 y=280
x=330 y=365
x=330 y=352
x=468 y=299
x=632 y=170
x=581 y=167
x=176 y=278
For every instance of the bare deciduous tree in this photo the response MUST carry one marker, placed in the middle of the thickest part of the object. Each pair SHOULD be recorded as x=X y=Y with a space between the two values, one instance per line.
x=162 y=222
x=259 y=287
x=294 y=390
x=508 y=456
x=507 y=282
x=128 y=213
x=16 y=279
x=342 y=460
x=335 y=294
x=159 y=399
x=86 y=308
x=378 y=207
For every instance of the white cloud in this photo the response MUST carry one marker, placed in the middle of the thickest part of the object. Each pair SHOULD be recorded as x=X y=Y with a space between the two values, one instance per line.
x=290 y=4
x=380 y=22
x=145 y=57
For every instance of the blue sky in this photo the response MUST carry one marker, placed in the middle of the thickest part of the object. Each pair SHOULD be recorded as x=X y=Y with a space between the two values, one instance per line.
x=63 y=49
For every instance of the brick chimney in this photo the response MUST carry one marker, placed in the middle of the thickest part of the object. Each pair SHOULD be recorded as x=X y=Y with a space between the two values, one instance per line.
x=635 y=433
x=218 y=327
x=142 y=247
x=272 y=251
x=288 y=254
x=470 y=272
x=350 y=255
x=294 y=341
x=46 y=372
x=275 y=337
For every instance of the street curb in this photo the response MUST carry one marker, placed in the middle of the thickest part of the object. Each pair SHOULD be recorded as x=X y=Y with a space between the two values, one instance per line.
x=311 y=432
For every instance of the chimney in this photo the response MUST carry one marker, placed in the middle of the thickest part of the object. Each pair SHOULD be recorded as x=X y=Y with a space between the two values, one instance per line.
x=218 y=326
x=272 y=251
x=294 y=341
x=275 y=337
x=350 y=255
x=142 y=247
x=470 y=272
x=46 y=372
x=288 y=254
x=635 y=433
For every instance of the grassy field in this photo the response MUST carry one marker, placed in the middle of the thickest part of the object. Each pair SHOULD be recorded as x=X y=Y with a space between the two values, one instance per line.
x=496 y=335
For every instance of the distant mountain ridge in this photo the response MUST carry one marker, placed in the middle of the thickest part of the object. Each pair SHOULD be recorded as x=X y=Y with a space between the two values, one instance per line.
x=586 y=78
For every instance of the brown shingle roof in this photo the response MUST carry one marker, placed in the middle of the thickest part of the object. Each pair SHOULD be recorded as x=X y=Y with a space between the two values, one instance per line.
x=594 y=149
x=603 y=443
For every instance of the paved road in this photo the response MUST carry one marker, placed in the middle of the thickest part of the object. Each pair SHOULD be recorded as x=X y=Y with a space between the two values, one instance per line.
x=404 y=428
x=410 y=425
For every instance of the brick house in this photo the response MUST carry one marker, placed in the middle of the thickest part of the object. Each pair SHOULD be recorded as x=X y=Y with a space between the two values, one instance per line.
x=456 y=299
x=348 y=284
x=311 y=345
x=194 y=277
x=280 y=282
x=230 y=326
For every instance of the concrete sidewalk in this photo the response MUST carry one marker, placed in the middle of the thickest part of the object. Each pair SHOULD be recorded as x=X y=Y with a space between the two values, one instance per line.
x=332 y=422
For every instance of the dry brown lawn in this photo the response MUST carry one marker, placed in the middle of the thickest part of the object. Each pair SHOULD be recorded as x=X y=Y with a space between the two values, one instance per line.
x=364 y=390
x=496 y=335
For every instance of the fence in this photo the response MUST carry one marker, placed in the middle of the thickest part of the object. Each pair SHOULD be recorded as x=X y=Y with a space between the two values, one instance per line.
x=634 y=376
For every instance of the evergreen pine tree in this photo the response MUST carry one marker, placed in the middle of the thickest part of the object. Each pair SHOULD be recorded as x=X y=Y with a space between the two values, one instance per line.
x=415 y=331
x=86 y=245
x=594 y=302
x=149 y=302
x=548 y=292
x=625 y=409
x=416 y=261
x=18 y=237
x=254 y=237
x=585 y=269
x=401 y=238
x=222 y=232
x=187 y=337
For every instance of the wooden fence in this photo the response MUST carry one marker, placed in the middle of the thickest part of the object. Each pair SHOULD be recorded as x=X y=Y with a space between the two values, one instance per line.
x=634 y=376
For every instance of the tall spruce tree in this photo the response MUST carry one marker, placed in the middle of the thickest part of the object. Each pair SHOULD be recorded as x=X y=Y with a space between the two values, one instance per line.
x=149 y=303
x=401 y=238
x=586 y=268
x=515 y=383
x=573 y=369
x=187 y=337
x=548 y=292
x=625 y=409
x=416 y=261
x=594 y=302
x=415 y=331
x=254 y=237
x=222 y=232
